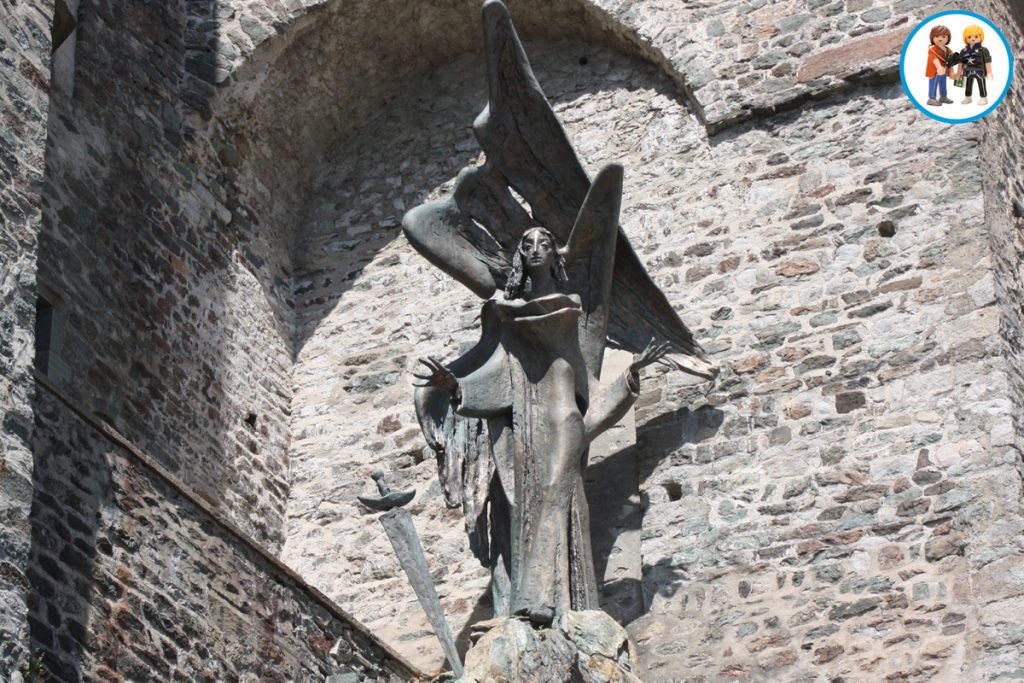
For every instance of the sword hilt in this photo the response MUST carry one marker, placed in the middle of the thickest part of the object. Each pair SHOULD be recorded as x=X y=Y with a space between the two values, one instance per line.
x=378 y=476
x=388 y=499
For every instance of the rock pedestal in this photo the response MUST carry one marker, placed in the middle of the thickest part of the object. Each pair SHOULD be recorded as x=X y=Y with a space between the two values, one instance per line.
x=583 y=647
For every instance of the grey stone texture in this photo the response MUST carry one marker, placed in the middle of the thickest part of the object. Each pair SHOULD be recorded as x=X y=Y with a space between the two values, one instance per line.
x=839 y=500
x=1003 y=156
x=584 y=646
x=169 y=261
x=829 y=259
x=25 y=59
x=220 y=220
x=134 y=581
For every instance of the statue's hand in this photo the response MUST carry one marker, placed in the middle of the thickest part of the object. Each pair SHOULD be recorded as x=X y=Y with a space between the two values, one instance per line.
x=439 y=376
x=654 y=353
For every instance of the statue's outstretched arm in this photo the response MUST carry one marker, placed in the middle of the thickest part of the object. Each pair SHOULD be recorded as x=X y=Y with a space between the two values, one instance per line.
x=609 y=402
x=484 y=392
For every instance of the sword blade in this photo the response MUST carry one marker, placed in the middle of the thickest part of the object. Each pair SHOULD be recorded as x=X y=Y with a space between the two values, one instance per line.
x=405 y=541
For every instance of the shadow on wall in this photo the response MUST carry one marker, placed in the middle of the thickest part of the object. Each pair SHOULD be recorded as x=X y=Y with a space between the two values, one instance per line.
x=123 y=240
x=177 y=323
x=113 y=244
x=72 y=482
x=328 y=67
x=410 y=151
x=658 y=439
x=663 y=435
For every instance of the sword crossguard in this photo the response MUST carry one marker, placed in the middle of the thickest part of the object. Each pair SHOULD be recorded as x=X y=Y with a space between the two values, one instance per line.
x=388 y=499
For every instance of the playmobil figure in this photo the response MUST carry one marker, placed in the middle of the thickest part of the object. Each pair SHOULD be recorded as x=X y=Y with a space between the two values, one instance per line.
x=974 y=63
x=938 y=54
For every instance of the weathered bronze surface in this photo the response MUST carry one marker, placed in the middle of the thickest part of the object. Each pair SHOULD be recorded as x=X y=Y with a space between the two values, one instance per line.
x=405 y=541
x=388 y=499
x=511 y=420
x=397 y=522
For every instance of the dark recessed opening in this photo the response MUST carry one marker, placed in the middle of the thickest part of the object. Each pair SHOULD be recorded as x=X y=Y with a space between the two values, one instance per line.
x=64 y=23
x=584 y=61
x=250 y=419
x=674 y=490
x=886 y=228
x=44 y=334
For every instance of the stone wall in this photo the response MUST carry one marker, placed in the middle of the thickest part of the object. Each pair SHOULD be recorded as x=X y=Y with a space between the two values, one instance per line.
x=170 y=272
x=25 y=56
x=1003 y=156
x=135 y=581
x=224 y=181
x=742 y=59
x=299 y=77
x=843 y=502
x=1004 y=199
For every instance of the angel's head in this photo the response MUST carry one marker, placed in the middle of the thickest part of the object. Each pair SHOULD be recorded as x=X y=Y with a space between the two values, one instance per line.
x=537 y=258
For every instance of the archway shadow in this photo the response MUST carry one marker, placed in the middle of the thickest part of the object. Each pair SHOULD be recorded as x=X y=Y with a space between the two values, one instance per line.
x=71 y=480
x=411 y=151
x=169 y=261
x=112 y=231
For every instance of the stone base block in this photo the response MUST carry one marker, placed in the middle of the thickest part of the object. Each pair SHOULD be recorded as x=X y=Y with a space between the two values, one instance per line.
x=583 y=647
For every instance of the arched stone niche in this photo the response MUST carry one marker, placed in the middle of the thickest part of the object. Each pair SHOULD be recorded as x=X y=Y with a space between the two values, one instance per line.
x=366 y=306
x=296 y=83
x=853 y=350
x=766 y=238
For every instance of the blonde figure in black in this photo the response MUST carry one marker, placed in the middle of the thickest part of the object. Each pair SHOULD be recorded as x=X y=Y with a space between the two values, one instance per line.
x=973 y=63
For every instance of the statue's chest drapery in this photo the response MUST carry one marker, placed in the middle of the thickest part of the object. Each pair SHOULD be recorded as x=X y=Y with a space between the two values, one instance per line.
x=541 y=337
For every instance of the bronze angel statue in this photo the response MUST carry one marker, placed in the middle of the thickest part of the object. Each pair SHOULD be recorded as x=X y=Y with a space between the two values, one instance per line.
x=512 y=419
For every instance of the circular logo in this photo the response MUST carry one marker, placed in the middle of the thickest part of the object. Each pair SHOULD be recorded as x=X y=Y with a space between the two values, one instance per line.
x=956 y=66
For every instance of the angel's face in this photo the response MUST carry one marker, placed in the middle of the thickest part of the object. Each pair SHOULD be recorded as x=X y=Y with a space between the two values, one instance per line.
x=537 y=249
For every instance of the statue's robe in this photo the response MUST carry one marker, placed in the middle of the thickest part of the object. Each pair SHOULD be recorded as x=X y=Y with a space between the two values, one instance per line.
x=529 y=385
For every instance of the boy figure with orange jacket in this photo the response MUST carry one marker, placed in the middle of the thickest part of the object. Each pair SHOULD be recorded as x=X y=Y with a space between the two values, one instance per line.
x=938 y=55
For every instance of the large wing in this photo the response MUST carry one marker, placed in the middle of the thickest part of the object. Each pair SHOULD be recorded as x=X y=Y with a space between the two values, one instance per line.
x=524 y=139
x=470 y=235
x=589 y=260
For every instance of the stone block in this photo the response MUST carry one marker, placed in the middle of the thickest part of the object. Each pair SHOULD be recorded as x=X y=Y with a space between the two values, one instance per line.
x=852 y=56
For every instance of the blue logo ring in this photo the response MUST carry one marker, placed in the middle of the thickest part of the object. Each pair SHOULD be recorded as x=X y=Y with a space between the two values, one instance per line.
x=931 y=113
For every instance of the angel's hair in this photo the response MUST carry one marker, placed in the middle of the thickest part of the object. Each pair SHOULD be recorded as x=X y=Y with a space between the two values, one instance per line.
x=518 y=278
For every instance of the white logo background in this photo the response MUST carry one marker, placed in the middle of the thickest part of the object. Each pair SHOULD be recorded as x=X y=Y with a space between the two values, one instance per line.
x=915 y=61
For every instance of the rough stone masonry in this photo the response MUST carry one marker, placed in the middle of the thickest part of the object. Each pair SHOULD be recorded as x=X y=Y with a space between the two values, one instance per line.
x=219 y=233
x=25 y=48
x=824 y=509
